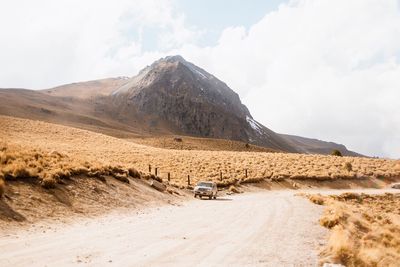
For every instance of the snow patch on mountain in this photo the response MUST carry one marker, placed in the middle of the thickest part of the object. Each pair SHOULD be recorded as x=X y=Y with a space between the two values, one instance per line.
x=200 y=73
x=255 y=125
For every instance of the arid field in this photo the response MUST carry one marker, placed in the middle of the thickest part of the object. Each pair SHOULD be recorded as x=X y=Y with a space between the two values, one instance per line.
x=365 y=229
x=81 y=145
x=53 y=171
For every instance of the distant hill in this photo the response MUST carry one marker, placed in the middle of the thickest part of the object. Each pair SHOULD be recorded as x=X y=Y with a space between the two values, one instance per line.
x=87 y=90
x=315 y=146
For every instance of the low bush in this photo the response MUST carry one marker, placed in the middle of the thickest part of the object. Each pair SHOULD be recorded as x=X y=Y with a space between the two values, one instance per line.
x=348 y=166
x=337 y=153
x=48 y=182
x=178 y=139
x=134 y=173
x=316 y=199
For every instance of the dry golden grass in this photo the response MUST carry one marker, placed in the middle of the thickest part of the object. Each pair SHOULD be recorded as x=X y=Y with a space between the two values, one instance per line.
x=365 y=229
x=317 y=199
x=81 y=145
x=234 y=189
x=50 y=168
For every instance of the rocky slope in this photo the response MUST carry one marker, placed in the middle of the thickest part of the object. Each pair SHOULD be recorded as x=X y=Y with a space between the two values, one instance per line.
x=315 y=146
x=194 y=102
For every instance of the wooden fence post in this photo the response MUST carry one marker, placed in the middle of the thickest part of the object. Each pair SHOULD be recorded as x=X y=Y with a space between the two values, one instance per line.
x=220 y=176
x=169 y=177
x=245 y=171
x=188 y=179
x=149 y=168
x=156 y=171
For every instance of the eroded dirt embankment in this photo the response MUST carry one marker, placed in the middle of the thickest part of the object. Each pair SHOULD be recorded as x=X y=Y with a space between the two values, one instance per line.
x=37 y=185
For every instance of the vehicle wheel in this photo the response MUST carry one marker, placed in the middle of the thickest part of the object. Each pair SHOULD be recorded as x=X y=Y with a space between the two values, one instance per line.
x=195 y=196
x=210 y=197
x=215 y=197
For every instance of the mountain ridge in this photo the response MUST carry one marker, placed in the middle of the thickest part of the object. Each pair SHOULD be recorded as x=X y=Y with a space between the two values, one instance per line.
x=171 y=96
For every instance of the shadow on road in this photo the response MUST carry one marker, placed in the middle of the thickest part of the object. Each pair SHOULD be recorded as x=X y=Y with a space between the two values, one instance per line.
x=223 y=199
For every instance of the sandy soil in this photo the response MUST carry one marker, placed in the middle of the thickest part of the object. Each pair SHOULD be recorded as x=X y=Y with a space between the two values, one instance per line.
x=27 y=204
x=253 y=229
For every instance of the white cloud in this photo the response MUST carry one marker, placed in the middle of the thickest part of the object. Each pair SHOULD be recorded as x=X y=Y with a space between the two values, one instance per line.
x=324 y=69
x=46 y=43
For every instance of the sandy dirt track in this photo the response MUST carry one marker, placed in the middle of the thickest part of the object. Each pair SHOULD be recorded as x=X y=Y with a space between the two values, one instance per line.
x=254 y=229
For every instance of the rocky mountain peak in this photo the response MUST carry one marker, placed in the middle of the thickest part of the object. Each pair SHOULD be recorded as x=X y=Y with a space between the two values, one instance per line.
x=192 y=101
x=177 y=77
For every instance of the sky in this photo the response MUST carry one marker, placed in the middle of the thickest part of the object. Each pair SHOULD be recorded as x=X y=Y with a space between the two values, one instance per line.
x=316 y=68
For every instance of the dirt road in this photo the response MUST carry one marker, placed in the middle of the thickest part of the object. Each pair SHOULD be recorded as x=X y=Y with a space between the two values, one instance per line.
x=254 y=229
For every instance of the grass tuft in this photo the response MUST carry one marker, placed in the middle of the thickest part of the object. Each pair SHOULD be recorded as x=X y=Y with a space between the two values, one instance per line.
x=365 y=229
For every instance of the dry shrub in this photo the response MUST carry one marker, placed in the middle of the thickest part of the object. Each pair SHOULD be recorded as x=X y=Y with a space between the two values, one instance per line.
x=365 y=229
x=340 y=246
x=152 y=176
x=336 y=152
x=348 y=166
x=134 y=173
x=333 y=216
x=178 y=139
x=48 y=182
x=61 y=174
x=234 y=189
x=316 y=199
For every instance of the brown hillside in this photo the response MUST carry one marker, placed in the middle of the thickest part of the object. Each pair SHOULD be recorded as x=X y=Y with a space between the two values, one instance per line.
x=87 y=90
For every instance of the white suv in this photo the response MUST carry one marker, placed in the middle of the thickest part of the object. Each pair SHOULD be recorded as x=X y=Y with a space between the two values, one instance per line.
x=207 y=189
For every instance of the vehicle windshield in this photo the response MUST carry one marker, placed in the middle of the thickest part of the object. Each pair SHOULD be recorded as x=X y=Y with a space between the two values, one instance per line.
x=204 y=184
